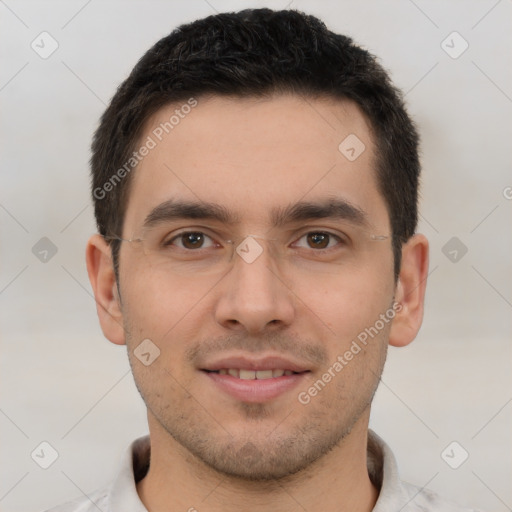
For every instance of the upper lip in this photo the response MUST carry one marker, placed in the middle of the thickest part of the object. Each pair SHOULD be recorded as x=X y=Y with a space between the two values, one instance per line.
x=255 y=363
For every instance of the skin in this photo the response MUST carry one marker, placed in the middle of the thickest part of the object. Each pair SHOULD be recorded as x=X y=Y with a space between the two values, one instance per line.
x=209 y=450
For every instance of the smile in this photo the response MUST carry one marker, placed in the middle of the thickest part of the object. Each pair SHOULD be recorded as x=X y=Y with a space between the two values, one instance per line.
x=253 y=374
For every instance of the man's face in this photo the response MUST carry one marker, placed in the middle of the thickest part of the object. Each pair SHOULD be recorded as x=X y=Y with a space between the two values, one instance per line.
x=208 y=306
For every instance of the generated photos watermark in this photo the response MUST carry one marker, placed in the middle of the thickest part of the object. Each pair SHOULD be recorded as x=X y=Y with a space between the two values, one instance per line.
x=149 y=144
x=305 y=397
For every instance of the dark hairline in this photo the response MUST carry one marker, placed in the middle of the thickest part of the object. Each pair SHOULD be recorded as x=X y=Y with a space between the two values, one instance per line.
x=259 y=53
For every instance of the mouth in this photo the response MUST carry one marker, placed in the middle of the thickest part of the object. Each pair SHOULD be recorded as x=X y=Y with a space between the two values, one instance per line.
x=243 y=374
x=251 y=380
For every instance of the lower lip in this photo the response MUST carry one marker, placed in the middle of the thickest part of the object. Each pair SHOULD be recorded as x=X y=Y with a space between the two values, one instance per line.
x=255 y=390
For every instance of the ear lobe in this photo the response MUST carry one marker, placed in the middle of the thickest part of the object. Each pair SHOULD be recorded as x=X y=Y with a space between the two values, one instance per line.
x=410 y=291
x=103 y=281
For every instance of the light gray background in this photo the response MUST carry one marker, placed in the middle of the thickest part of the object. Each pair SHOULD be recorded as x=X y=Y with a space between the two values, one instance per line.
x=63 y=383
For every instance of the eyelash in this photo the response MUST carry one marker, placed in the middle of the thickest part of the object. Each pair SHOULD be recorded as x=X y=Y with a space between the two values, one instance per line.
x=341 y=241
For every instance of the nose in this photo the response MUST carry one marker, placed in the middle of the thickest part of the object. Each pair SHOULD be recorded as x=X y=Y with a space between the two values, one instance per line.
x=253 y=296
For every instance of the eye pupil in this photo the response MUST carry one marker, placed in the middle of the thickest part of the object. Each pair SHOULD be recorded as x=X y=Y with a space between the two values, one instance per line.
x=318 y=240
x=193 y=240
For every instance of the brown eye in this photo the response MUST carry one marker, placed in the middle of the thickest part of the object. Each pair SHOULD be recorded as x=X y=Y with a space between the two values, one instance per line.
x=191 y=240
x=318 y=240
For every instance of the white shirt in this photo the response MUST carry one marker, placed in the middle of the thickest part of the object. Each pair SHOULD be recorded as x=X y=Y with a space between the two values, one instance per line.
x=394 y=495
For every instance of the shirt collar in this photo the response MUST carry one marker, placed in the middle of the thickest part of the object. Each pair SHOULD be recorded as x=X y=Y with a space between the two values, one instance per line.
x=123 y=493
x=383 y=471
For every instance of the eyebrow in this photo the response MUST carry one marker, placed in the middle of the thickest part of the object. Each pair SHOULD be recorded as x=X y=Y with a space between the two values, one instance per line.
x=339 y=209
x=182 y=209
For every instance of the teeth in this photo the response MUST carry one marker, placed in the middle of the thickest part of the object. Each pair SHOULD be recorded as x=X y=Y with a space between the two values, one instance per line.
x=247 y=374
x=264 y=374
x=254 y=374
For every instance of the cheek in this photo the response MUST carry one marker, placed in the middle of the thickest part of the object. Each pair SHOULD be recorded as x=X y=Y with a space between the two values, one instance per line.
x=347 y=303
x=171 y=315
x=158 y=305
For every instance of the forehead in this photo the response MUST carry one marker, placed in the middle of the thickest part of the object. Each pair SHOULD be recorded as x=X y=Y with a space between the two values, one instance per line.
x=254 y=155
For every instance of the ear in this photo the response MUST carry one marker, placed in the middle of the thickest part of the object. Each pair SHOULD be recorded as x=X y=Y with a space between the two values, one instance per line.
x=410 y=291
x=103 y=281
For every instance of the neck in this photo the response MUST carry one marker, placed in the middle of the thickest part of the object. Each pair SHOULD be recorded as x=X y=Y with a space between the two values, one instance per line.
x=338 y=481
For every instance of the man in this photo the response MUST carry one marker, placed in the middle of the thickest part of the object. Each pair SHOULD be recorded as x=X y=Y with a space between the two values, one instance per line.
x=255 y=186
